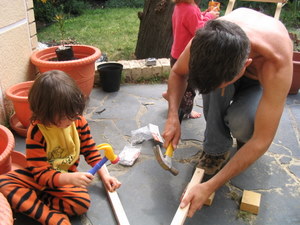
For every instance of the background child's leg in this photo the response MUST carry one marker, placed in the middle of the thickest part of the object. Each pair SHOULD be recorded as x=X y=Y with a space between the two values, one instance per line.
x=21 y=190
x=187 y=103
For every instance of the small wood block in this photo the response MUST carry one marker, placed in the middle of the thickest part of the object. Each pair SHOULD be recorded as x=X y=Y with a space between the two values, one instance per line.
x=209 y=201
x=250 y=202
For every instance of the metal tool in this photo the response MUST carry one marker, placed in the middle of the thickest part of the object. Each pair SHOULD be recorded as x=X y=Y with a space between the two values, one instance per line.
x=165 y=161
x=109 y=155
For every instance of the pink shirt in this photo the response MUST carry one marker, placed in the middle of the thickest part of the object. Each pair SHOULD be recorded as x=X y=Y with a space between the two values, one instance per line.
x=186 y=19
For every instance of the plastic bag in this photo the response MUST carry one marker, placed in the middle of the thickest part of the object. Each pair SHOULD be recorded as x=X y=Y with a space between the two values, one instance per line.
x=140 y=135
x=129 y=155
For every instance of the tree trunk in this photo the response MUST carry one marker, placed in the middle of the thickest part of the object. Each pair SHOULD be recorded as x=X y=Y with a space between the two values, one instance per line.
x=155 y=34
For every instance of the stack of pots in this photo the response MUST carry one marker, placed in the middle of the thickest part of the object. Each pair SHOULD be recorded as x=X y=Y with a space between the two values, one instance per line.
x=7 y=145
x=18 y=94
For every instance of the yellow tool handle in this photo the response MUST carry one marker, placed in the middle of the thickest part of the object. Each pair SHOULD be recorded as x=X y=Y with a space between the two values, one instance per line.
x=170 y=150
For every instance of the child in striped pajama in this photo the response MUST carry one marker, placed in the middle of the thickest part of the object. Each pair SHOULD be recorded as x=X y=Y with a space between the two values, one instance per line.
x=50 y=188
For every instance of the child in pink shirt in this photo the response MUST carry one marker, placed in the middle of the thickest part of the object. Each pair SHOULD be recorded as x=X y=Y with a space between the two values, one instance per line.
x=186 y=19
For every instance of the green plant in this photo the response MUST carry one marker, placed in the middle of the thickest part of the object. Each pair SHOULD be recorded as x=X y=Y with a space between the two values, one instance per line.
x=113 y=31
x=46 y=10
x=290 y=15
x=296 y=41
x=60 y=20
x=157 y=79
x=124 y=3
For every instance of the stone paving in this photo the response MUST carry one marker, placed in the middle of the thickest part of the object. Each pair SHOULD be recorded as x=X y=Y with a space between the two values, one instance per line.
x=150 y=195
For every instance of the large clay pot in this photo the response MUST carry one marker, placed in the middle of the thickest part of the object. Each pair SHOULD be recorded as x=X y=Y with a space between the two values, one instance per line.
x=81 y=69
x=7 y=145
x=7 y=158
x=296 y=74
x=6 y=217
x=18 y=94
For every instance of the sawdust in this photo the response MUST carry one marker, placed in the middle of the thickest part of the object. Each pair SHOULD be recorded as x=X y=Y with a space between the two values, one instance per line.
x=249 y=218
x=193 y=159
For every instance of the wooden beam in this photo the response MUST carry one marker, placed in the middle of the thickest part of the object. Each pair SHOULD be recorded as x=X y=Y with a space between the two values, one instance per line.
x=181 y=214
x=280 y=4
x=117 y=206
x=230 y=6
x=278 y=10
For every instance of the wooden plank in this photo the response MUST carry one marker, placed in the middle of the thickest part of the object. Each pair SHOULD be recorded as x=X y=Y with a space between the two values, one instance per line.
x=280 y=3
x=278 y=11
x=181 y=214
x=117 y=206
x=230 y=6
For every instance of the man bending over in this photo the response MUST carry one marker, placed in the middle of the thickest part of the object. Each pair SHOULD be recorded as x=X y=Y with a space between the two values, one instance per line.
x=243 y=69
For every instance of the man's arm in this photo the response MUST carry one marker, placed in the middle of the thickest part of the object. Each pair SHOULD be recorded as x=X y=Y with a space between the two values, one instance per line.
x=177 y=84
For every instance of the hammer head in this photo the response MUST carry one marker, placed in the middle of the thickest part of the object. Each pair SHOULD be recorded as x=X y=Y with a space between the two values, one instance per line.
x=109 y=152
x=163 y=160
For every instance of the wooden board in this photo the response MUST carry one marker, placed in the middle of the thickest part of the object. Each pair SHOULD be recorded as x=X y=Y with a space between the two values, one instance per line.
x=181 y=214
x=117 y=206
x=279 y=5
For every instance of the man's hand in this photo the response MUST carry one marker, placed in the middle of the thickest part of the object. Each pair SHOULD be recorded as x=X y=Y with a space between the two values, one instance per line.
x=215 y=12
x=197 y=196
x=172 y=132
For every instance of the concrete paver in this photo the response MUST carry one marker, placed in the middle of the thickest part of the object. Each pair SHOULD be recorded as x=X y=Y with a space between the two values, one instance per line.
x=150 y=195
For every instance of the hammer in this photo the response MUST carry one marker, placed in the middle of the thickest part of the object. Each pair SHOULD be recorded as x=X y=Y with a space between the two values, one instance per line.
x=165 y=161
x=109 y=155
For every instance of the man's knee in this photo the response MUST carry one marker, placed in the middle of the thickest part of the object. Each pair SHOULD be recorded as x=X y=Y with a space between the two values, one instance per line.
x=241 y=126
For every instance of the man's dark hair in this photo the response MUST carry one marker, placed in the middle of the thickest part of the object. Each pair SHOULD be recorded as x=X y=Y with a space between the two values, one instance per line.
x=218 y=53
x=55 y=96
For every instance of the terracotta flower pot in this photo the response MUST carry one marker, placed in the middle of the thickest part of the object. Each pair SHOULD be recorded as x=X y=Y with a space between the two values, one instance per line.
x=7 y=145
x=18 y=160
x=18 y=94
x=81 y=69
x=17 y=126
x=6 y=217
x=296 y=74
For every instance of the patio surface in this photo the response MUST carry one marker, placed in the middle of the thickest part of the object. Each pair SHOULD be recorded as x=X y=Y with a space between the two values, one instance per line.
x=150 y=195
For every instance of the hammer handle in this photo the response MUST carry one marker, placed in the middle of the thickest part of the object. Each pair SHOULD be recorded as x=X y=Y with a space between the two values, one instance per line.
x=98 y=166
x=170 y=150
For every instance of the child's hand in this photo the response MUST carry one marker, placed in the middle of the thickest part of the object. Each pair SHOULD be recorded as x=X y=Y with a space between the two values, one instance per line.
x=80 y=179
x=111 y=183
x=215 y=12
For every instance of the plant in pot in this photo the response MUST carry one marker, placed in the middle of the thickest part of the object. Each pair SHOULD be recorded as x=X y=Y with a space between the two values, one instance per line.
x=63 y=52
x=79 y=64
x=296 y=64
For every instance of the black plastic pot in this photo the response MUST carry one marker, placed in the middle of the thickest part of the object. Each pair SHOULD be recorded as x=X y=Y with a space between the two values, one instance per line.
x=110 y=76
x=64 y=53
